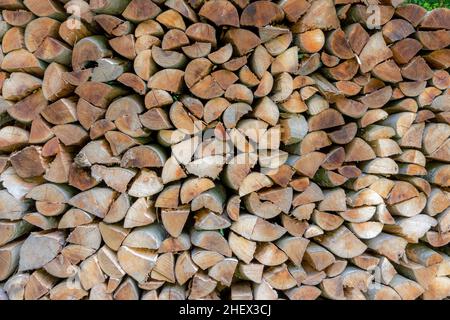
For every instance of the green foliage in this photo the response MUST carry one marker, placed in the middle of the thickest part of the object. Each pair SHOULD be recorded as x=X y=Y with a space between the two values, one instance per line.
x=432 y=4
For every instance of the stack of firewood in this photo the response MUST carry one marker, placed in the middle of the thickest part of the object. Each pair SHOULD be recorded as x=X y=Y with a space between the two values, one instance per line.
x=224 y=149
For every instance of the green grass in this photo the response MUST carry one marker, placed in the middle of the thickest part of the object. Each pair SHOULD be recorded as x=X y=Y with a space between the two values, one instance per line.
x=432 y=4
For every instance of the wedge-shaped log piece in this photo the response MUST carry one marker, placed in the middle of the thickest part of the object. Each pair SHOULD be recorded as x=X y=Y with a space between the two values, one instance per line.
x=53 y=86
x=303 y=292
x=168 y=59
x=343 y=243
x=89 y=49
x=326 y=221
x=434 y=136
x=62 y=267
x=312 y=193
x=404 y=50
x=257 y=229
x=334 y=200
x=433 y=40
x=417 y=70
x=62 y=111
x=374 y=52
x=423 y=255
x=27 y=109
x=268 y=255
x=146 y=184
x=211 y=240
x=281 y=197
x=202 y=285
x=366 y=230
x=383 y=166
x=282 y=88
x=410 y=207
x=140 y=10
x=174 y=220
x=401 y=191
x=212 y=199
x=221 y=13
x=86 y=235
x=390 y=246
x=238 y=169
x=279 y=278
x=181 y=119
x=14 y=287
x=242 y=40
x=320 y=15
x=131 y=104
x=95 y=152
x=138 y=263
x=172 y=171
x=259 y=14
x=205 y=259
x=164 y=269
x=39 y=284
x=326 y=119
x=234 y=112
x=95 y=201
x=149 y=237
x=28 y=162
x=127 y=290
x=23 y=61
x=407 y=289
x=40 y=248
x=169 y=197
x=241 y=247
x=263 y=209
x=318 y=257
x=15 y=186
x=206 y=167
x=10 y=256
x=115 y=178
x=98 y=93
x=91 y=273
x=169 y=79
x=413 y=228
x=19 y=85
x=437 y=202
x=397 y=29
x=254 y=182
x=142 y=212
x=181 y=243
x=193 y=187
x=294 y=247
x=144 y=65
x=148 y=156
x=73 y=218
x=223 y=271
x=185 y=268
x=68 y=290
x=344 y=135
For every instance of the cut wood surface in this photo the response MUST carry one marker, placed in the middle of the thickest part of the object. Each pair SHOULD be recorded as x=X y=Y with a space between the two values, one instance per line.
x=224 y=149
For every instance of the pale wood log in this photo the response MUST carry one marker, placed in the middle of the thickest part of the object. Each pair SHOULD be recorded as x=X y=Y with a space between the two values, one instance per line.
x=136 y=262
x=15 y=286
x=185 y=268
x=10 y=256
x=32 y=254
x=127 y=290
x=86 y=235
x=392 y=247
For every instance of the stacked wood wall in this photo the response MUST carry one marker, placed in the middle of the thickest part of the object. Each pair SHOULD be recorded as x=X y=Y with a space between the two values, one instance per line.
x=190 y=149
